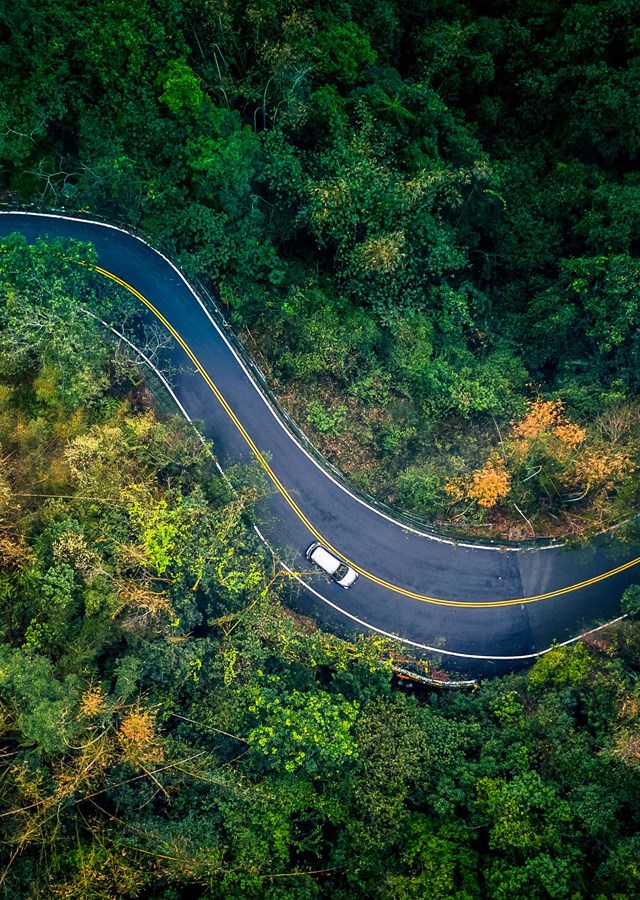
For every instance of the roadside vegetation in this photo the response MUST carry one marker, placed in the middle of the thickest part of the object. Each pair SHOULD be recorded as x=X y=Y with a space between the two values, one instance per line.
x=170 y=729
x=422 y=218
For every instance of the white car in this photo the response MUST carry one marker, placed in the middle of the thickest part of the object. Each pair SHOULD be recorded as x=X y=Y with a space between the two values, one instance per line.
x=339 y=570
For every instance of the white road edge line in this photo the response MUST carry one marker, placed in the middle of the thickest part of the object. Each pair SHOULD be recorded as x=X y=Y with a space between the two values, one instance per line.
x=440 y=650
x=441 y=539
x=307 y=586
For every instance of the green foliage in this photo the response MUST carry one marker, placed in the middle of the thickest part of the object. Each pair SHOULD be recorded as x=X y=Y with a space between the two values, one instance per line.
x=526 y=815
x=182 y=91
x=561 y=666
x=619 y=876
x=630 y=602
x=440 y=864
x=39 y=702
x=344 y=50
x=423 y=491
x=44 y=329
x=326 y=422
x=306 y=731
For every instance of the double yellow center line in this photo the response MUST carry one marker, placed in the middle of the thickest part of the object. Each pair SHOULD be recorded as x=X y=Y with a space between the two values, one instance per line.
x=294 y=506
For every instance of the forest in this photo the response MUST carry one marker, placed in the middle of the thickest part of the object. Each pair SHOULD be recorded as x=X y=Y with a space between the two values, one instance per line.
x=422 y=221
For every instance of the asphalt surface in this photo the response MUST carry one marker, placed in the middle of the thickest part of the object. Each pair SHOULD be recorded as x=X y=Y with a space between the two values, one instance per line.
x=428 y=592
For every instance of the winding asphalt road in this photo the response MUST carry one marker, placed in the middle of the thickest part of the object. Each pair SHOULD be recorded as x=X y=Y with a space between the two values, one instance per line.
x=485 y=609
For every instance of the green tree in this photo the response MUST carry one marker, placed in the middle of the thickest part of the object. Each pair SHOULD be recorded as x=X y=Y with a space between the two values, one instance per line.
x=308 y=731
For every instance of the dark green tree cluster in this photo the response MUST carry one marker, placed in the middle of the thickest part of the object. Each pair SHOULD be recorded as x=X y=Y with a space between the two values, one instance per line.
x=423 y=213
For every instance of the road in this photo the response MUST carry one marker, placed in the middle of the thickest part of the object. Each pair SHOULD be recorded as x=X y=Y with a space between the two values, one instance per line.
x=484 y=609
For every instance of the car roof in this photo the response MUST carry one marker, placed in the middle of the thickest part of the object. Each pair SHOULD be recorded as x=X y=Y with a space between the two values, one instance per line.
x=326 y=560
